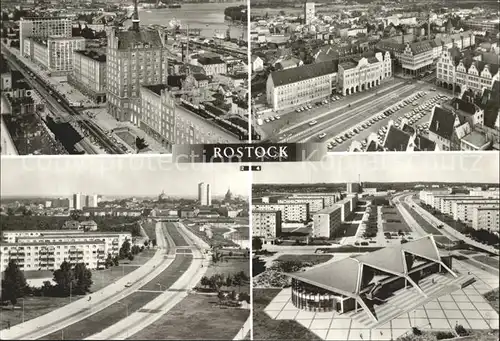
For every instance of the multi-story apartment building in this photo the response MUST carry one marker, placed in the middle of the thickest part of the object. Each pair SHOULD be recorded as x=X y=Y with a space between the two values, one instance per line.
x=462 y=210
x=328 y=198
x=36 y=256
x=486 y=218
x=445 y=203
x=78 y=201
x=54 y=53
x=91 y=200
x=427 y=196
x=212 y=65
x=289 y=212
x=112 y=241
x=89 y=74
x=345 y=208
x=465 y=72
x=359 y=74
x=492 y=193
x=266 y=224
x=300 y=85
x=315 y=203
x=326 y=221
x=11 y=236
x=42 y=27
x=133 y=58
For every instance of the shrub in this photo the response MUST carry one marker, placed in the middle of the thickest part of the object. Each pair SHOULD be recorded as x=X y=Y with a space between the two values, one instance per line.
x=416 y=331
x=461 y=331
x=444 y=335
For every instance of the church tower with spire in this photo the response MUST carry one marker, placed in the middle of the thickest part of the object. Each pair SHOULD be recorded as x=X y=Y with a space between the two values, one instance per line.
x=229 y=196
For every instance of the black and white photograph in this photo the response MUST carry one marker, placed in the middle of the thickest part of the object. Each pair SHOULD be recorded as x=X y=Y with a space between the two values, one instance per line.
x=122 y=76
x=377 y=247
x=123 y=248
x=365 y=75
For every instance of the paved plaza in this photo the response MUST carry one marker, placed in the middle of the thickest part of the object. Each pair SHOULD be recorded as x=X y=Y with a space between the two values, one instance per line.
x=466 y=307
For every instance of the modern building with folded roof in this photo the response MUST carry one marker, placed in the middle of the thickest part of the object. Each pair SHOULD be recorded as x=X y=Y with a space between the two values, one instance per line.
x=300 y=85
x=363 y=282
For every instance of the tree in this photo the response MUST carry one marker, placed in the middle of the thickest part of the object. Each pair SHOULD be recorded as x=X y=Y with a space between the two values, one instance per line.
x=153 y=242
x=130 y=257
x=65 y=279
x=205 y=282
x=14 y=283
x=75 y=215
x=228 y=281
x=140 y=144
x=256 y=243
x=125 y=249
x=403 y=240
x=83 y=277
x=238 y=280
x=116 y=261
x=109 y=261
x=216 y=282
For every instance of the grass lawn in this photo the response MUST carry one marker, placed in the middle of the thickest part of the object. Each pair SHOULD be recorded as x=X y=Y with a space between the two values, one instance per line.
x=443 y=239
x=317 y=259
x=357 y=216
x=196 y=317
x=491 y=261
x=232 y=266
x=395 y=227
x=492 y=297
x=38 y=306
x=104 y=318
x=150 y=229
x=176 y=236
x=265 y=328
x=347 y=230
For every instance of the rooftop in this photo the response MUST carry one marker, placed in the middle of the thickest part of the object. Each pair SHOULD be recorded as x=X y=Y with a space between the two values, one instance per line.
x=328 y=210
x=132 y=39
x=300 y=73
x=390 y=259
x=476 y=139
x=95 y=55
x=157 y=88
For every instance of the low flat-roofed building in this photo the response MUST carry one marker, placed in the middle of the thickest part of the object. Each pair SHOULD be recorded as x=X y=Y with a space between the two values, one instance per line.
x=326 y=221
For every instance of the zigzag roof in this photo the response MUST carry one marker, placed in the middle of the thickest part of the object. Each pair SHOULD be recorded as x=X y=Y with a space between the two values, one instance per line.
x=343 y=276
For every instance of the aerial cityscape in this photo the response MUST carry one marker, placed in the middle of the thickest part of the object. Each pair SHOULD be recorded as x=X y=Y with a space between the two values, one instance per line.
x=122 y=77
x=84 y=256
x=340 y=258
x=376 y=75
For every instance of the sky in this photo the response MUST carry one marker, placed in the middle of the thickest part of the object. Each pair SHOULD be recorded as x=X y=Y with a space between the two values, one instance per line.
x=386 y=167
x=117 y=176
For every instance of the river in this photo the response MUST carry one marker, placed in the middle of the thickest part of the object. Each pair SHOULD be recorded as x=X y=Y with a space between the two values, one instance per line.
x=209 y=17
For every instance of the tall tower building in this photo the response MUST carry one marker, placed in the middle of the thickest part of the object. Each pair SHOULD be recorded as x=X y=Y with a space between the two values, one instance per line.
x=204 y=194
x=92 y=200
x=78 y=201
x=309 y=12
x=133 y=58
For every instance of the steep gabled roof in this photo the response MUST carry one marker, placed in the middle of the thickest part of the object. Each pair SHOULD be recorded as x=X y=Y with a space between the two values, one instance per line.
x=442 y=123
x=396 y=140
x=304 y=72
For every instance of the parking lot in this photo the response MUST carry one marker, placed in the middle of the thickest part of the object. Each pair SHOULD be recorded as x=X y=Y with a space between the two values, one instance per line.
x=409 y=110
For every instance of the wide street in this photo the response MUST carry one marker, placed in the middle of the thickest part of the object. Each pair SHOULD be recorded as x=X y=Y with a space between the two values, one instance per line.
x=90 y=315
x=342 y=115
